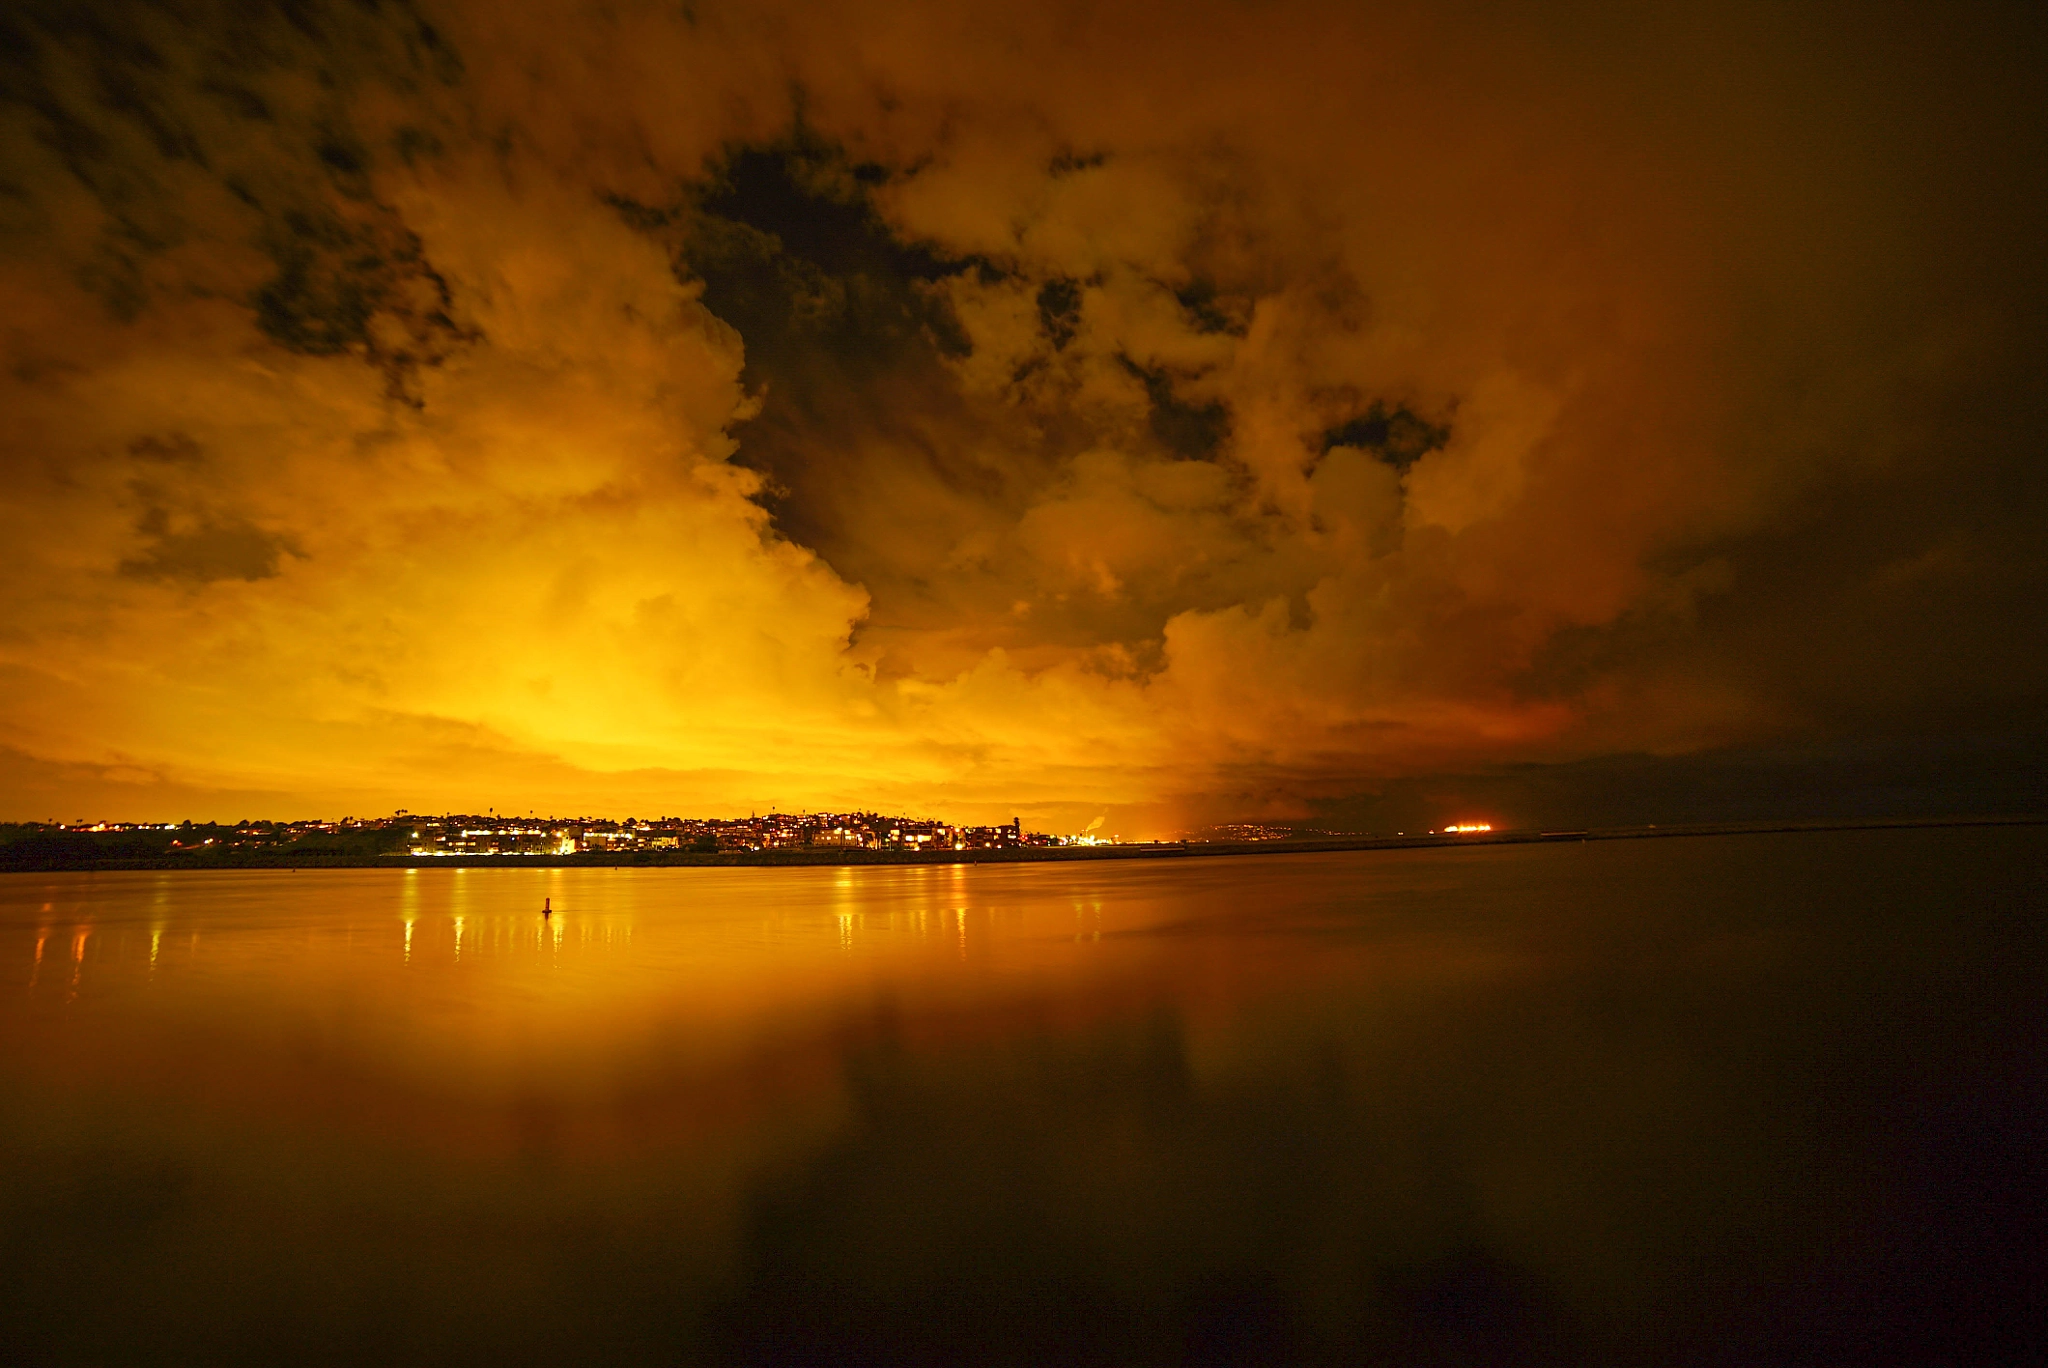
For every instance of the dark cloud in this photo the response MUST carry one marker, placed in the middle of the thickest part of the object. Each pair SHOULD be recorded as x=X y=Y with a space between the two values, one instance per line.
x=206 y=551
x=1394 y=435
x=1990 y=774
x=1211 y=312
x=188 y=123
x=173 y=448
x=792 y=253
x=361 y=288
x=1190 y=430
x=1059 y=310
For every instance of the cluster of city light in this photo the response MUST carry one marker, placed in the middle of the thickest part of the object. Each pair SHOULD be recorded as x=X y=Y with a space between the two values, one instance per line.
x=487 y=836
x=467 y=836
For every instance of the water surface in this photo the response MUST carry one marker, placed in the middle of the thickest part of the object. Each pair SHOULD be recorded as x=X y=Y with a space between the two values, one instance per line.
x=1719 y=1100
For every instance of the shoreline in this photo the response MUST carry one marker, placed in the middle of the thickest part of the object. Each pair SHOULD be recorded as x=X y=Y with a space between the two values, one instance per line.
x=1135 y=850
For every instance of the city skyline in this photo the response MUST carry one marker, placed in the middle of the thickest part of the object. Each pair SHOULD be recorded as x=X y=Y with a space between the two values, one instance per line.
x=491 y=832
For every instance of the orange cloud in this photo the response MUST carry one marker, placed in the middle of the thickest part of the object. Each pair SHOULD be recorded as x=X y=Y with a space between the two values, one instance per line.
x=1178 y=411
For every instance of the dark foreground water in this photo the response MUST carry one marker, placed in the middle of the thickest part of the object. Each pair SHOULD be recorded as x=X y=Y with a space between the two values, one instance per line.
x=1732 y=1100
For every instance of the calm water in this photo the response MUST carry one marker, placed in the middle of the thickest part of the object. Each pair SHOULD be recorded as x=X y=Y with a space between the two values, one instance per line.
x=1727 y=1100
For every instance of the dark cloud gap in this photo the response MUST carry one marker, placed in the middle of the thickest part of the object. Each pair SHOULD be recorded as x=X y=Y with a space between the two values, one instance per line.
x=336 y=277
x=1396 y=435
x=1194 y=432
x=848 y=333
x=1067 y=163
x=986 y=271
x=1213 y=312
x=793 y=255
x=790 y=252
x=805 y=194
x=1059 y=310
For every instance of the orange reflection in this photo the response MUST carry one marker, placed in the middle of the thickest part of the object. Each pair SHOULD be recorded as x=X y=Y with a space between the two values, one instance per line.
x=652 y=1004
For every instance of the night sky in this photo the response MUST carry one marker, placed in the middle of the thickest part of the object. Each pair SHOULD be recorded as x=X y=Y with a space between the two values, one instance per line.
x=1338 y=414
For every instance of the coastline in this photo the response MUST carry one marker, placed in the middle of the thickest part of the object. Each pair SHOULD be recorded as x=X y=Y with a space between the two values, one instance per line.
x=1140 y=850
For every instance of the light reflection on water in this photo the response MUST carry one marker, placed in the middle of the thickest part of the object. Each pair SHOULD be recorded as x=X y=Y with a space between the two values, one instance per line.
x=1719 y=1100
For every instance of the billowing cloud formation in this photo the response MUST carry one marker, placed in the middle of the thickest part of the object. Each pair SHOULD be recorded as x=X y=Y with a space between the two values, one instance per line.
x=1194 y=412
